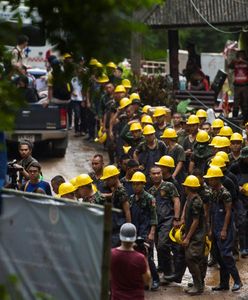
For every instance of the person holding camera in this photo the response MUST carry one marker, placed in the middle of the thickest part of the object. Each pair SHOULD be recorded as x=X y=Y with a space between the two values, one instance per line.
x=25 y=150
x=129 y=268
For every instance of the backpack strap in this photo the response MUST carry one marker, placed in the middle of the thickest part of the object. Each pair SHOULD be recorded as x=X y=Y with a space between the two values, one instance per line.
x=19 y=56
x=26 y=185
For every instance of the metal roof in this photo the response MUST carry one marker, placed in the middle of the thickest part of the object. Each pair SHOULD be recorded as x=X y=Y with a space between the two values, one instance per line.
x=182 y=13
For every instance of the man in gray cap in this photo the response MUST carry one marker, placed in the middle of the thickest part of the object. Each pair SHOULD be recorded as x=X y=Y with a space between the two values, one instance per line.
x=129 y=268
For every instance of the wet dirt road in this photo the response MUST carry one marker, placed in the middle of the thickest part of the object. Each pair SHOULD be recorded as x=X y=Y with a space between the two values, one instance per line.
x=76 y=161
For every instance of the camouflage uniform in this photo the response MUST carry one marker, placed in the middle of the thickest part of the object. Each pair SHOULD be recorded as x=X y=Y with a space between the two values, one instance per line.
x=127 y=185
x=232 y=159
x=181 y=134
x=119 y=196
x=206 y=195
x=178 y=154
x=143 y=216
x=111 y=144
x=143 y=213
x=147 y=157
x=165 y=210
x=96 y=198
x=194 y=253
x=223 y=248
x=201 y=153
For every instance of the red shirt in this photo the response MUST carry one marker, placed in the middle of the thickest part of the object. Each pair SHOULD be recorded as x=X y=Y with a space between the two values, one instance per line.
x=240 y=72
x=127 y=268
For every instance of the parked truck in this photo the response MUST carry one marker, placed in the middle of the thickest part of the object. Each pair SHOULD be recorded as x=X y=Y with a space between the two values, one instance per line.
x=40 y=125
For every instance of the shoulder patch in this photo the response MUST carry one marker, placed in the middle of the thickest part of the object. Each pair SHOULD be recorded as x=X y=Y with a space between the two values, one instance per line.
x=153 y=202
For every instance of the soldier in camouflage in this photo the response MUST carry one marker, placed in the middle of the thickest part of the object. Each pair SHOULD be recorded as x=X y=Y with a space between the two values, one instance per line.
x=222 y=228
x=194 y=236
x=144 y=217
x=168 y=212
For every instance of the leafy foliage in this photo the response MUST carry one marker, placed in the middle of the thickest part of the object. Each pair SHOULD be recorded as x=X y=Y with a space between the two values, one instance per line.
x=11 y=290
x=92 y=28
x=206 y=40
x=156 y=90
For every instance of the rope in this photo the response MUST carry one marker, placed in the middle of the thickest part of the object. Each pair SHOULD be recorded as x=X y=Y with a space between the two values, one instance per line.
x=205 y=106
x=211 y=25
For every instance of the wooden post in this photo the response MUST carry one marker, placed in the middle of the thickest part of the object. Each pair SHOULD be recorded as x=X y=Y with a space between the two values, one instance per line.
x=106 y=255
x=173 y=52
x=136 y=42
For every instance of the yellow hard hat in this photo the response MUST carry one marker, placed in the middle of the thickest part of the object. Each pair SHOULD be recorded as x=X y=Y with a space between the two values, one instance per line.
x=191 y=181
x=169 y=133
x=124 y=102
x=202 y=136
x=66 y=188
x=94 y=188
x=246 y=124
x=146 y=119
x=193 y=119
x=67 y=55
x=166 y=161
x=217 y=123
x=73 y=181
x=146 y=108
x=109 y=171
x=138 y=177
x=159 y=111
x=215 y=140
x=224 y=155
x=236 y=137
x=126 y=83
x=101 y=139
x=83 y=179
x=148 y=129
x=93 y=62
x=99 y=65
x=126 y=149
x=208 y=246
x=135 y=126
x=201 y=113
x=111 y=65
x=103 y=79
x=134 y=96
x=218 y=161
x=102 y=136
x=120 y=89
x=225 y=131
x=245 y=188
x=222 y=142
x=176 y=234
x=214 y=172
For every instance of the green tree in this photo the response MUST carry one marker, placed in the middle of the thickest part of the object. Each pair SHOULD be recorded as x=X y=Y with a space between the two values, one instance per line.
x=90 y=28
x=206 y=39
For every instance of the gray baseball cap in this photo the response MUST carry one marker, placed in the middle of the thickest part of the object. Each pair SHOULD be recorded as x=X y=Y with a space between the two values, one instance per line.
x=128 y=233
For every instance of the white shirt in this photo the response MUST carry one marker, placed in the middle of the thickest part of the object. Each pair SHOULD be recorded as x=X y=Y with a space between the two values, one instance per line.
x=76 y=89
